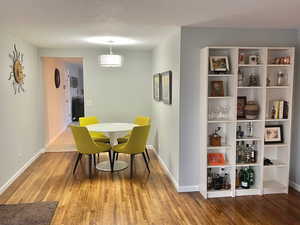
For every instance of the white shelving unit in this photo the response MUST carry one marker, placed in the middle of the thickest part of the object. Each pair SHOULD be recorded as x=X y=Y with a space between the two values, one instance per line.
x=268 y=179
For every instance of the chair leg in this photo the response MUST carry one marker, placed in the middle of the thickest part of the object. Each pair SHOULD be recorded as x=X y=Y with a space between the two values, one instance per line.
x=113 y=162
x=146 y=150
x=131 y=165
x=146 y=162
x=77 y=161
x=117 y=156
x=90 y=166
x=94 y=157
x=110 y=160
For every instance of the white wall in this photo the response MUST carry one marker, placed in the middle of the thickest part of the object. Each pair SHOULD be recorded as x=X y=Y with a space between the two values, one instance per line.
x=22 y=120
x=295 y=151
x=113 y=94
x=56 y=112
x=166 y=57
x=193 y=39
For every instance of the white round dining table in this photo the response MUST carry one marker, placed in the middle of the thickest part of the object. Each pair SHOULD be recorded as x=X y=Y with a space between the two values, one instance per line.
x=113 y=131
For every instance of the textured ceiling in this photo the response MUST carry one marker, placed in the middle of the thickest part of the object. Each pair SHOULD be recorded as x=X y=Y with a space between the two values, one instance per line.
x=67 y=23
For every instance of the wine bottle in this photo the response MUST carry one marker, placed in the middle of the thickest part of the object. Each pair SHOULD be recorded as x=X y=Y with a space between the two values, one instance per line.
x=251 y=176
x=245 y=179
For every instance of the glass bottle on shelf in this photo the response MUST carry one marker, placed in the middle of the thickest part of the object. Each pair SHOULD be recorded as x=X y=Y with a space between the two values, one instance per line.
x=250 y=129
x=209 y=179
x=237 y=179
x=239 y=133
x=239 y=152
x=245 y=179
x=226 y=181
x=247 y=154
x=280 y=79
x=240 y=79
x=253 y=154
x=251 y=176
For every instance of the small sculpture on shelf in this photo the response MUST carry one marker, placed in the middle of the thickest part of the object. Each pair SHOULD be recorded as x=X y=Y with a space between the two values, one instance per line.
x=215 y=138
x=253 y=80
x=282 y=60
x=280 y=79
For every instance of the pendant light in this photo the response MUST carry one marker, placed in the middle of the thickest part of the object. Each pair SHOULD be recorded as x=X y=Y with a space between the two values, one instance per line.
x=110 y=60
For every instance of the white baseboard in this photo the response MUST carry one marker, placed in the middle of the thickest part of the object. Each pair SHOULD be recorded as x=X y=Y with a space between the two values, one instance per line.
x=166 y=169
x=175 y=183
x=294 y=185
x=20 y=171
x=188 y=188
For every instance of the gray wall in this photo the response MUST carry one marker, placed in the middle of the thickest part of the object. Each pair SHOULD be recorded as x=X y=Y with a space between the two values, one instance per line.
x=166 y=57
x=295 y=148
x=192 y=40
x=22 y=120
x=113 y=94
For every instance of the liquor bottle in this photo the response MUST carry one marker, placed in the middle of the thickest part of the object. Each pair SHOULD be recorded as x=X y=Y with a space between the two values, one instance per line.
x=251 y=176
x=239 y=153
x=226 y=181
x=247 y=154
x=237 y=179
x=245 y=179
x=239 y=133
x=241 y=177
x=209 y=179
x=253 y=154
x=250 y=129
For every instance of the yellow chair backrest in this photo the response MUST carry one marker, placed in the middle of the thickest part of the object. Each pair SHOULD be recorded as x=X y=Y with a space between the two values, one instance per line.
x=85 y=121
x=142 y=120
x=138 y=139
x=84 y=142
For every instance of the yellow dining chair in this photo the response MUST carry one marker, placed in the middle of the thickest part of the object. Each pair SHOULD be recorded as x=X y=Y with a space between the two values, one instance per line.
x=86 y=146
x=97 y=136
x=139 y=120
x=136 y=144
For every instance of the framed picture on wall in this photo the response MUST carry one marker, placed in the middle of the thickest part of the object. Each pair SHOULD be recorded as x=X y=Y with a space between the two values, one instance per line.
x=157 y=87
x=166 y=78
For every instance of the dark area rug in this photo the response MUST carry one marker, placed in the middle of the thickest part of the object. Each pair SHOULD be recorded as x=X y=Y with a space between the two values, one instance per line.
x=39 y=213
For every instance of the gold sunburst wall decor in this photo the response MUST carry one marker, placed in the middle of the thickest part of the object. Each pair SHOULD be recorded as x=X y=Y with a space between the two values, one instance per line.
x=17 y=74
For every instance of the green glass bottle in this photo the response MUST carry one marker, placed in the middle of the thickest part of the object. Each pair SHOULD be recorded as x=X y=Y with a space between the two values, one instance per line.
x=251 y=176
x=245 y=179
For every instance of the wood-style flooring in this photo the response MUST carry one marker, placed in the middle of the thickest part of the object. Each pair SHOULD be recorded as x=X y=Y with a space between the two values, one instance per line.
x=146 y=199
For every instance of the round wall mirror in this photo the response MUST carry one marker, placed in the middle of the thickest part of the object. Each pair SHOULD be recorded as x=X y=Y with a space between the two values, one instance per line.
x=57 y=78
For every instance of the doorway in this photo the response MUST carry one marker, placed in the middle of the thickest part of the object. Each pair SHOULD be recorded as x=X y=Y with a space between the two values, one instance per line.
x=64 y=98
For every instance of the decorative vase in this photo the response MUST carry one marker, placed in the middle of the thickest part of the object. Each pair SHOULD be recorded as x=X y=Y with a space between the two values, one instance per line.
x=251 y=110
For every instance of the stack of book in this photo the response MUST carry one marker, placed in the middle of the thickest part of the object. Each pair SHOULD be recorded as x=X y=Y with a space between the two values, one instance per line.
x=280 y=109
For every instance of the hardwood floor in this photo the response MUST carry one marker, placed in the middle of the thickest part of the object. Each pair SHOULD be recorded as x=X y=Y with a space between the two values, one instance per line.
x=146 y=199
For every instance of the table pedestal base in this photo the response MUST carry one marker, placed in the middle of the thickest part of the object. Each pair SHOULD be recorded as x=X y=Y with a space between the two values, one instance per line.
x=118 y=165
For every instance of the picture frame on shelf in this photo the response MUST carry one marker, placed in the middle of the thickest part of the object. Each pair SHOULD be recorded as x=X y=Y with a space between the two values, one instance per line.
x=219 y=63
x=157 y=87
x=217 y=88
x=273 y=134
x=166 y=80
x=241 y=103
